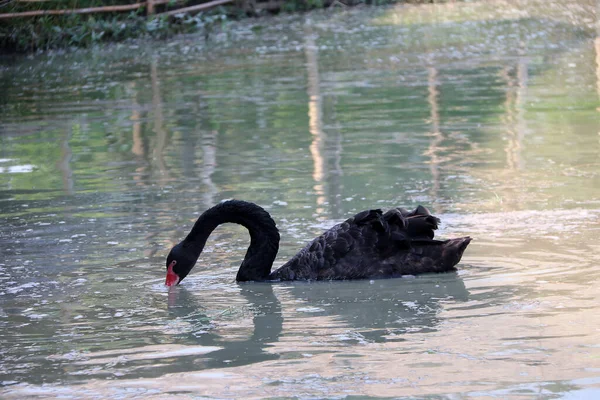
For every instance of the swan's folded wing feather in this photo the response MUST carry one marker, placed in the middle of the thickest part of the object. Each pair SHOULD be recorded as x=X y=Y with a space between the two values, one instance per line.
x=421 y=226
x=369 y=244
x=364 y=217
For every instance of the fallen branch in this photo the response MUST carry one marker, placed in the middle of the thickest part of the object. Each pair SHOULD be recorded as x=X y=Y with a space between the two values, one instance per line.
x=337 y=3
x=198 y=7
x=90 y=10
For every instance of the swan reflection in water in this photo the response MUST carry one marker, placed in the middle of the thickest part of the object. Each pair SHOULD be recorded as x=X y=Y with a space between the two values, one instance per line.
x=383 y=309
x=194 y=334
x=372 y=311
x=267 y=324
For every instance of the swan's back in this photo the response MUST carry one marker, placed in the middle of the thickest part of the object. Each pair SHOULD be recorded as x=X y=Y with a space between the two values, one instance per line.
x=375 y=245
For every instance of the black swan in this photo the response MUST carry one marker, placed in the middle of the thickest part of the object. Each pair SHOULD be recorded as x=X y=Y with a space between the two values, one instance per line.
x=369 y=245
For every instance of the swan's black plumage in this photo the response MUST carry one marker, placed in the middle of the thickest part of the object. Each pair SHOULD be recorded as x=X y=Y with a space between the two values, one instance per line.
x=372 y=244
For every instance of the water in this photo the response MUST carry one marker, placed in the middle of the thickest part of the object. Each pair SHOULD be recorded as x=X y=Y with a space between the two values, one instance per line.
x=487 y=113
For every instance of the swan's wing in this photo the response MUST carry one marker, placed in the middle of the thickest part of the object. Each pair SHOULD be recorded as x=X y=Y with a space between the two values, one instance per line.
x=367 y=245
x=323 y=257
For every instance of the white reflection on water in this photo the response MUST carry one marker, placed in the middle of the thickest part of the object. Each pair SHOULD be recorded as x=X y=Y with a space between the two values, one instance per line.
x=17 y=169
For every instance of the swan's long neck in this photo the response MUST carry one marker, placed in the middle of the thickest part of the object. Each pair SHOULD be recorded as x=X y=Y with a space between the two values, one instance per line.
x=264 y=236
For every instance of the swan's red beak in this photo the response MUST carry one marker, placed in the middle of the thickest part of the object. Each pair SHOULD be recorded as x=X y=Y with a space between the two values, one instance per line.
x=172 y=277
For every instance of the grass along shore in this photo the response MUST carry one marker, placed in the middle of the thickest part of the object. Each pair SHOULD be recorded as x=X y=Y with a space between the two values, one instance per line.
x=25 y=34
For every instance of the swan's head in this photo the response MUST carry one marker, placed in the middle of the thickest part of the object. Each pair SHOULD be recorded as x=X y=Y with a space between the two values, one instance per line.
x=180 y=262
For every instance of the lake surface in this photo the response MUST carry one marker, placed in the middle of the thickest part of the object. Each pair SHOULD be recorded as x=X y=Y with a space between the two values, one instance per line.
x=487 y=113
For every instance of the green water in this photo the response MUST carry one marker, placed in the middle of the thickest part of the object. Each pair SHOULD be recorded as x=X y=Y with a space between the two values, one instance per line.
x=487 y=113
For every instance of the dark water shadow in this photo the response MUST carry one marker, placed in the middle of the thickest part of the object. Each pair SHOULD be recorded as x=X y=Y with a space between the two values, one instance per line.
x=267 y=322
x=382 y=310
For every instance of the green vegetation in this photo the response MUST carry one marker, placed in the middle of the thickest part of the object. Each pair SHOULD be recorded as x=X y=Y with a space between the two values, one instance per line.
x=45 y=32
x=82 y=30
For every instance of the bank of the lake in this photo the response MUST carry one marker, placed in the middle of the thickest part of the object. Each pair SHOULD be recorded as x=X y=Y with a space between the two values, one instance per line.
x=28 y=26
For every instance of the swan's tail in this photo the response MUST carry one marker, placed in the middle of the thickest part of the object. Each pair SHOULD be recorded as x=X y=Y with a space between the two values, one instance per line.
x=454 y=249
x=436 y=255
